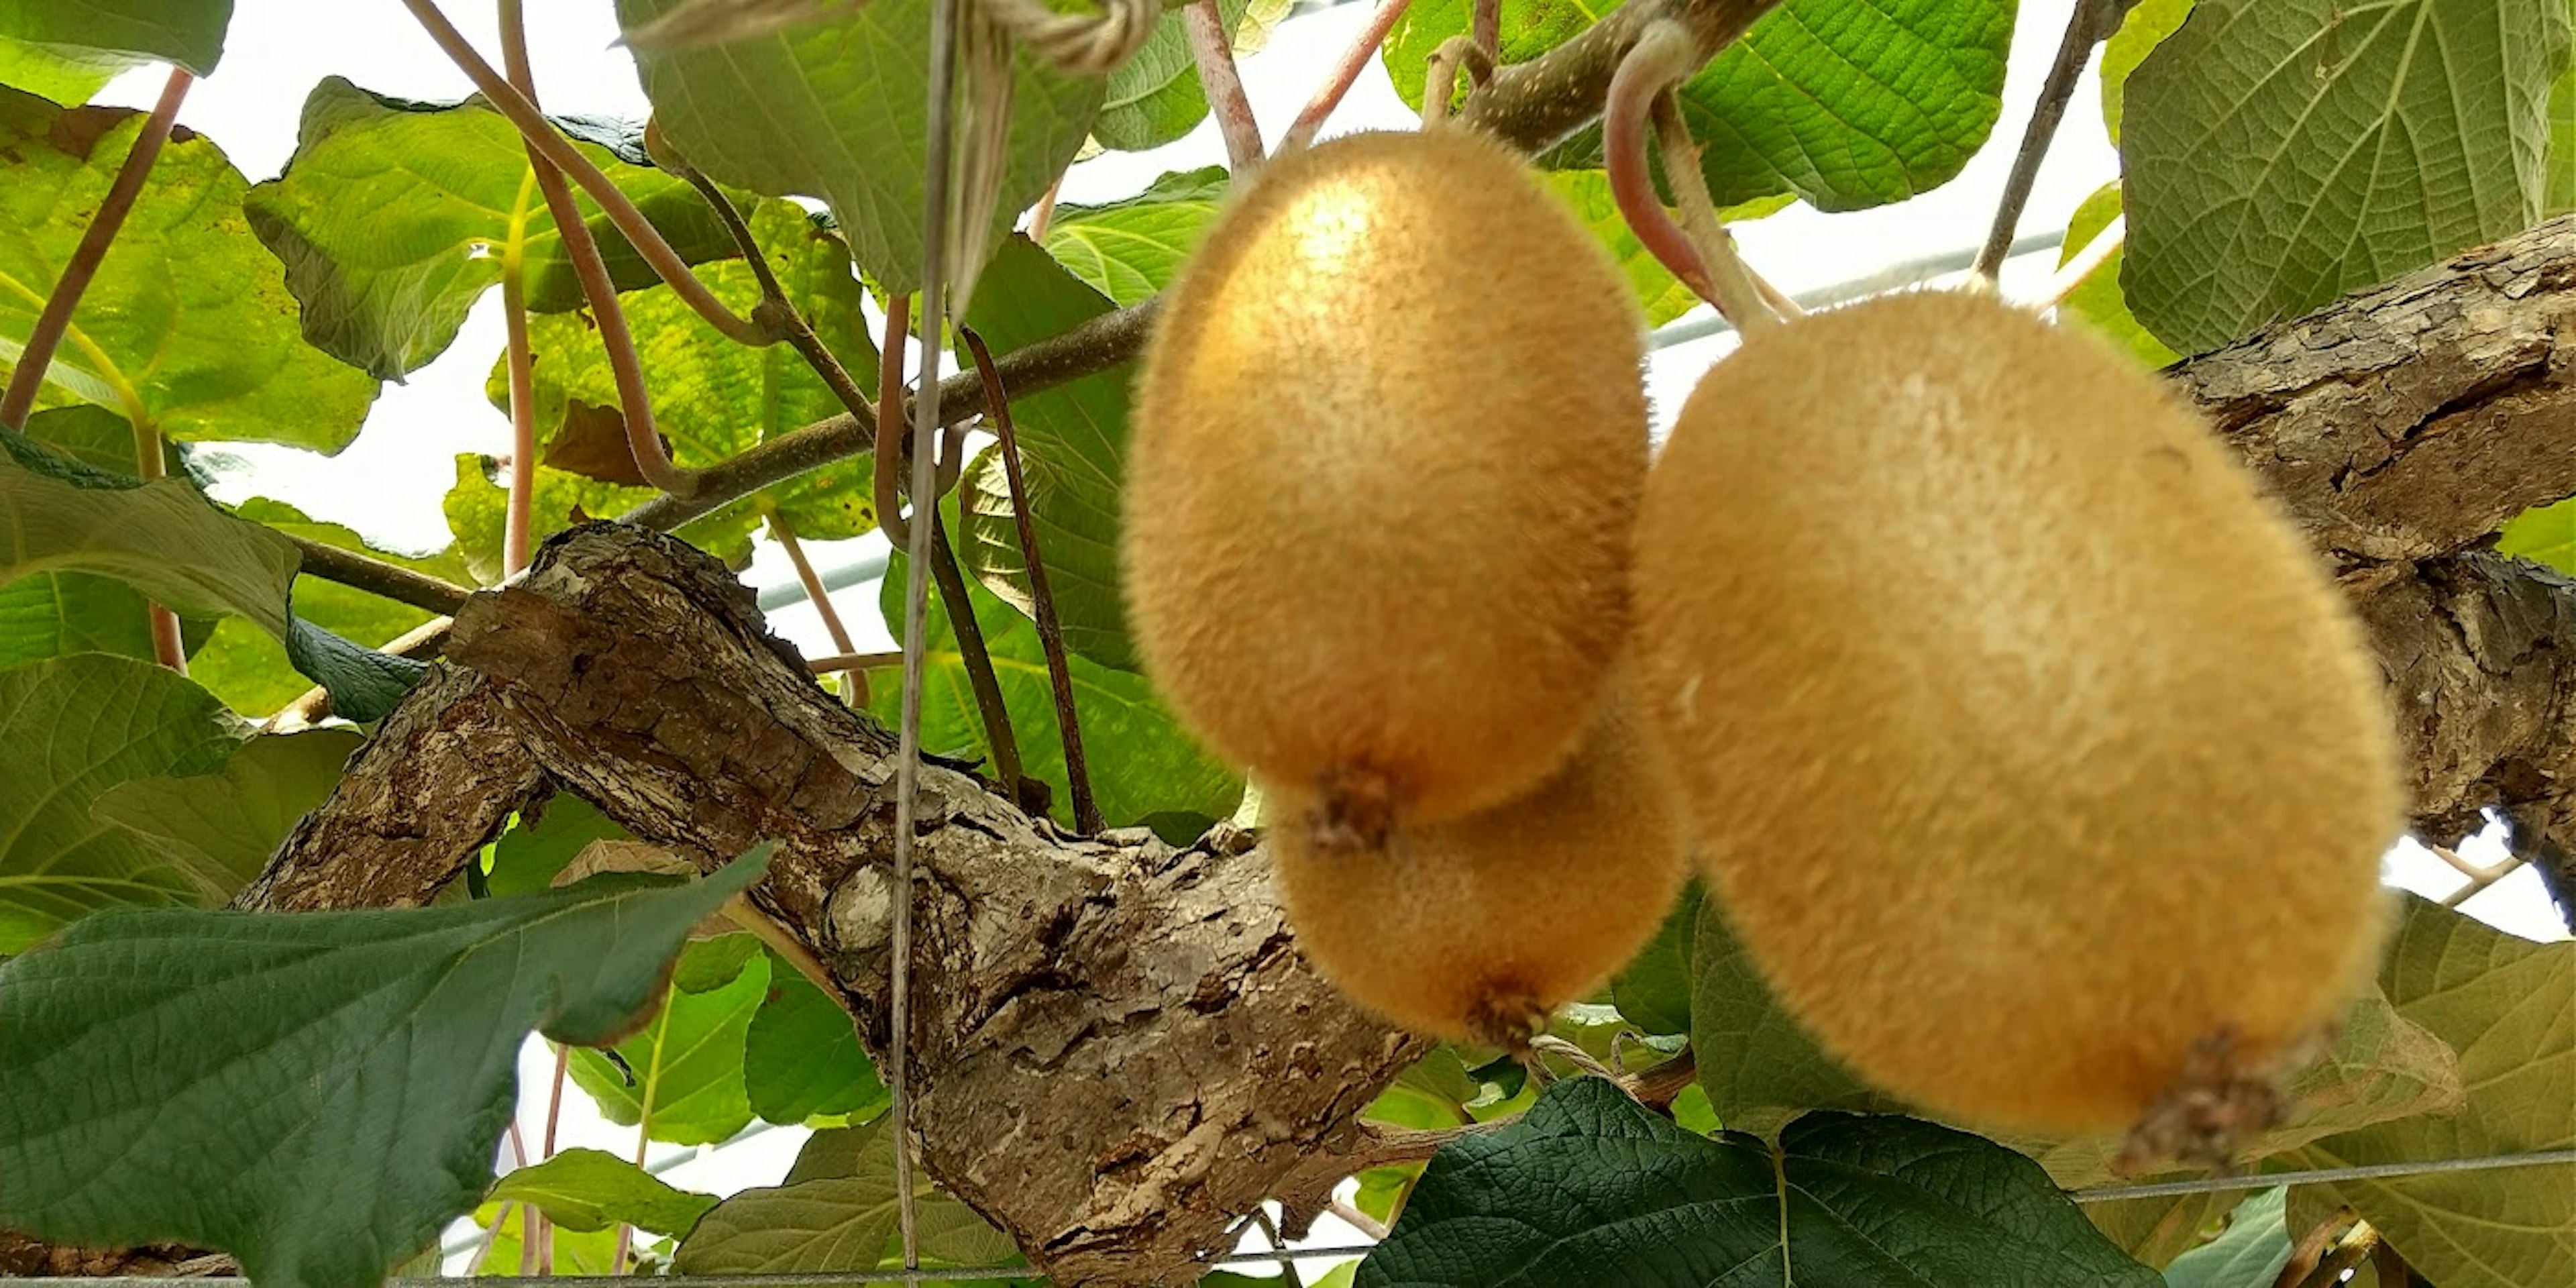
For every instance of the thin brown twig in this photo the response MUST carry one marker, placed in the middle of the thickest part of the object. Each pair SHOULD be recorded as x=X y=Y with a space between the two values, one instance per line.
x=854 y=682
x=852 y=662
x=1487 y=29
x=1213 y=51
x=890 y=420
x=377 y=577
x=1045 y=212
x=1345 y=74
x=516 y=541
x=1086 y=810
x=543 y=138
x=978 y=662
x=2091 y=21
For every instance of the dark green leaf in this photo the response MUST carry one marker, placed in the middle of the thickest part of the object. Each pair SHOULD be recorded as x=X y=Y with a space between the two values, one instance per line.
x=1654 y=991
x=1590 y=1188
x=393 y=217
x=711 y=964
x=1129 y=249
x=2280 y=153
x=1141 y=761
x=801 y=1057
x=1073 y=448
x=70 y=729
x=365 y=685
x=585 y=1189
x=528 y=856
x=687 y=1061
x=188 y=325
x=2505 y=1005
x=837 y=1212
x=2249 y=1254
x=315 y=1093
x=1155 y=97
x=116 y=34
x=837 y=110
x=224 y=826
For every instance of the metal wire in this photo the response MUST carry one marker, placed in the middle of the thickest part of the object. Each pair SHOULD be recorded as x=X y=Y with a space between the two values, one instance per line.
x=2322 y=1175
x=810 y=1279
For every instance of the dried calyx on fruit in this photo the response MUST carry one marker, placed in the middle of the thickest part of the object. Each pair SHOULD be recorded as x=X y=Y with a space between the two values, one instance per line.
x=2034 y=756
x=1389 y=442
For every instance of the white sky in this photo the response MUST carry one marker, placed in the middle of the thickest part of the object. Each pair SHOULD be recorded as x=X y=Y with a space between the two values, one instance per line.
x=389 y=483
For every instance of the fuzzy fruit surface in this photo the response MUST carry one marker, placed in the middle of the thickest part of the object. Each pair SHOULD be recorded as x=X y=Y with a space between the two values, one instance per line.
x=1478 y=927
x=2029 y=747
x=1389 y=442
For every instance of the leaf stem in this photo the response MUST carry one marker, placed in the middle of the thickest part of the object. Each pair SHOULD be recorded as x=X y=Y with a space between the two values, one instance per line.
x=852 y=662
x=516 y=542
x=1213 y=51
x=1487 y=31
x=978 y=662
x=2087 y=26
x=634 y=401
x=890 y=454
x=1751 y=302
x=854 y=683
x=543 y=139
x=1345 y=73
x=1086 y=810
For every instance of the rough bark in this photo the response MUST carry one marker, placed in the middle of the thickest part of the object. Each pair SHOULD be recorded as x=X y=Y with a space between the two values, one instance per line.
x=1116 y=1045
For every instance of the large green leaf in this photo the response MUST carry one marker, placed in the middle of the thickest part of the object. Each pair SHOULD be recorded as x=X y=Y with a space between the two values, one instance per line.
x=836 y=1211
x=1073 y=450
x=224 y=826
x=393 y=217
x=2145 y=27
x=249 y=669
x=2508 y=1006
x=2280 y=153
x=712 y=398
x=2249 y=1254
x=2098 y=299
x=48 y=614
x=1155 y=96
x=70 y=729
x=1590 y=1188
x=316 y=1093
x=1130 y=248
x=2561 y=195
x=188 y=325
x=1141 y=761
x=687 y=1061
x=801 y=1055
x=115 y=34
x=838 y=110
x=2544 y=535
x=586 y=1189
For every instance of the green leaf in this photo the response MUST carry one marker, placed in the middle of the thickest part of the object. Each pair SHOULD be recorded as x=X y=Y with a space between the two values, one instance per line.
x=2145 y=28
x=315 y=1093
x=248 y=668
x=1155 y=97
x=1073 y=450
x=712 y=398
x=1141 y=761
x=586 y=1189
x=117 y=34
x=52 y=613
x=801 y=1057
x=2561 y=195
x=528 y=856
x=837 y=1212
x=2283 y=152
x=2098 y=300
x=576 y=1252
x=837 y=110
x=2503 y=1004
x=2250 y=1254
x=1654 y=991
x=477 y=510
x=1591 y=1188
x=393 y=217
x=687 y=1061
x=711 y=964
x=65 y=74
x=2156 y=1230
x=70 y=729
x=1129 y=249
x=365 y=685
x=2546 y=535
x=188 y=325
x=160 y=537
x=224 y=826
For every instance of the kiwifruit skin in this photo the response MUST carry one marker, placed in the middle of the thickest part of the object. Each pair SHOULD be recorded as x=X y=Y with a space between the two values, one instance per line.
x=1470 y=929
x=1389 y=440
x=2027 y=744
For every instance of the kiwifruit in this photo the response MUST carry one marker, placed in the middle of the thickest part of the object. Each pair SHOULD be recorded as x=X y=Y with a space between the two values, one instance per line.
x=1388 y=443
x=2036 y=758
x=1479 y=927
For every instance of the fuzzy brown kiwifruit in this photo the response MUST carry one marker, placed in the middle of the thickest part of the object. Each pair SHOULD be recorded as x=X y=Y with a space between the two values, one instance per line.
x=1389 y=440
x=2037 y=759
x=1479 y=927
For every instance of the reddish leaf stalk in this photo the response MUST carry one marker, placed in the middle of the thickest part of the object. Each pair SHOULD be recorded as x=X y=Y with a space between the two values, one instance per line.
x=890 y=453
x=854 y=682
x=634 y=401
x=1214 y=52
x=543 y=139
x=1086 y=810
x=1345 y=74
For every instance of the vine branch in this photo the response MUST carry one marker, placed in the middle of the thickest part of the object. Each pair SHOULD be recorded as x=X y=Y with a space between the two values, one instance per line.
x=377 y=577
x=1213 y=51
x=2091 y=22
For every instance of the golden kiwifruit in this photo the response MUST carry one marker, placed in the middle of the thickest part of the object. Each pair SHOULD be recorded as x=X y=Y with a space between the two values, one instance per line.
x=1388 y=446
x=2036 y=758
x=1480 y=926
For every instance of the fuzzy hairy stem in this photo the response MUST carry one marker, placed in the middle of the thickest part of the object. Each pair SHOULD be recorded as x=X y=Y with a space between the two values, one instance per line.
x=1213 y=51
